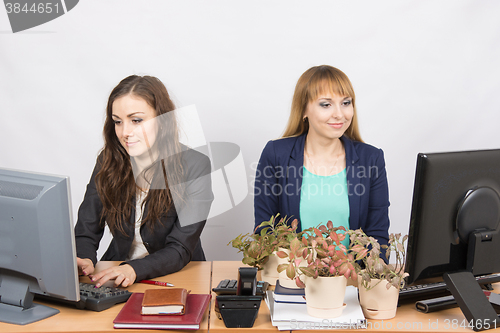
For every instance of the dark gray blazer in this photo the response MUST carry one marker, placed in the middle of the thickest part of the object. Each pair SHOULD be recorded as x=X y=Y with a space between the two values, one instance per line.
x=170 y=245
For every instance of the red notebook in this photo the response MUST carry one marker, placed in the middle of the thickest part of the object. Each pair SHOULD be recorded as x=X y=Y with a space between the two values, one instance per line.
x=130 y=315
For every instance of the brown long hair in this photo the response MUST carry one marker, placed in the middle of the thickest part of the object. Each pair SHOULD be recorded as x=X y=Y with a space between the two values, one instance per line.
x=116 y=183
x=315 y=81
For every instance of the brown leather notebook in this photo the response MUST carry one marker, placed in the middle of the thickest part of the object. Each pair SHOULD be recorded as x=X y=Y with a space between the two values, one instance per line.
x=170 y=301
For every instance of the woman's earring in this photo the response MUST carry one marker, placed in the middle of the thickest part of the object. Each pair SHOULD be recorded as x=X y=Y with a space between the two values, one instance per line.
x=304 y=119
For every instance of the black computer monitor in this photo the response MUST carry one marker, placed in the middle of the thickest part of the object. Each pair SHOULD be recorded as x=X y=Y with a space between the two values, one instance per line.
x=454 y=194
x=37 y=246
x=455 y=225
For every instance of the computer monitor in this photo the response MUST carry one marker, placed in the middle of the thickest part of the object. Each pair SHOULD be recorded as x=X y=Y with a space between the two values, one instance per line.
x=455 y=226
x=37 y=246
x=454 y=194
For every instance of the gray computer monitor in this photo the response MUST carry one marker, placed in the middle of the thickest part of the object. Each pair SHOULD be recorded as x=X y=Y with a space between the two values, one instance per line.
x=37 y=246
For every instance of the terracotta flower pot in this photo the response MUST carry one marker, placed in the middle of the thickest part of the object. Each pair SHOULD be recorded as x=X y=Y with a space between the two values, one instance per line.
x=269 y=271
x=325 y=296
x=378 y=302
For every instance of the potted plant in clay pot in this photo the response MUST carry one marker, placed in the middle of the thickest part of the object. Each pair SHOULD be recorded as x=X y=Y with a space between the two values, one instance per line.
x=378 y=281
x=259 y=248
x=328 y=266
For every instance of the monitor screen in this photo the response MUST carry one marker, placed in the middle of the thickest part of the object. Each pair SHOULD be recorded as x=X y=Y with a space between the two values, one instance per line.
x=454 y=194
x=37 y=246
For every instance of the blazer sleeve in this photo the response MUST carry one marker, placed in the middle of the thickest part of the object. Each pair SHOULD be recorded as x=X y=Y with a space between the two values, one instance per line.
x=266 y=187
x=377 y=224
x=184 y=237
x=89 y=227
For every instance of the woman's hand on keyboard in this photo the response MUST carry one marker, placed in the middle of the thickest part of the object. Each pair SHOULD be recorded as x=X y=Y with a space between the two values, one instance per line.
x=85 y=266
x=124 y=275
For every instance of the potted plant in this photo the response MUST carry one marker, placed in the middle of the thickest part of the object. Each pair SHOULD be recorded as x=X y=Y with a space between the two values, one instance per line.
x=378 y=281
x=259 y=248
x=328 y=266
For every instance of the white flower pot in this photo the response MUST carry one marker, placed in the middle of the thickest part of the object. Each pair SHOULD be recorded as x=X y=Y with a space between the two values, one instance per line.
x=325 y=296
x=269 y=271
x=378 y=302
x=285 y=281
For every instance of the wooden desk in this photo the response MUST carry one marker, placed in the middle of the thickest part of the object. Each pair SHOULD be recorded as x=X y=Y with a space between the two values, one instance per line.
x=407 y=318
x=195 y=276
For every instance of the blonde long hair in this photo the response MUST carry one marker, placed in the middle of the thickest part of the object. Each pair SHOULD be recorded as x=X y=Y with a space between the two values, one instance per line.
x=315 y=81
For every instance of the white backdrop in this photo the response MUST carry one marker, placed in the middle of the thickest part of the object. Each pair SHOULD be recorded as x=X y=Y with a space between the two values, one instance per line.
x=426 y=76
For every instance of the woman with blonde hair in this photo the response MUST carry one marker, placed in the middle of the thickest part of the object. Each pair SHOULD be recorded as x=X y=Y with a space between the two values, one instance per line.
x=321 y=170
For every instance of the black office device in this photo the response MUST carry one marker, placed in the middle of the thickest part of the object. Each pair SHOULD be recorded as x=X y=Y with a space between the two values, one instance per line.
x=436 y=304
x=247 y=281
x=240 y=310
x=92 y=298
x=455 y=225
x=229 y=287
x=446 y=302
x=102 y=298
x=439 y=288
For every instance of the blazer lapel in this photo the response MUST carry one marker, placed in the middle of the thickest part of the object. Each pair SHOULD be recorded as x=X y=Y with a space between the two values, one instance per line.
x=353 y=182
x=294 y=178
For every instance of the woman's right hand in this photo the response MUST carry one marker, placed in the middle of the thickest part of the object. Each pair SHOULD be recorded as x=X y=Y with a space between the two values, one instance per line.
x=85 y=266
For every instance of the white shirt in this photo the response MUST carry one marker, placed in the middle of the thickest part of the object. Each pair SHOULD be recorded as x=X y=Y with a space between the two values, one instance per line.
x=138 y=250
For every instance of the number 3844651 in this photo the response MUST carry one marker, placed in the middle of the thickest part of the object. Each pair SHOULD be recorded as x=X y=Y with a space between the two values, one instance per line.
x=38 y=8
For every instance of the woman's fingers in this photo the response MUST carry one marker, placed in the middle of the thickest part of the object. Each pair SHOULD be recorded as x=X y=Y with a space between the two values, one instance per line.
x=123 y=275
x=85 y=266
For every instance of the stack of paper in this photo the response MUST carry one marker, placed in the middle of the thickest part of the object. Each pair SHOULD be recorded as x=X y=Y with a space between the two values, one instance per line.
x=293 y=316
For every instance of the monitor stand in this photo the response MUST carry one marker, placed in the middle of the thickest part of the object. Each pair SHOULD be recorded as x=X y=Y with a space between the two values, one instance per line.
x=16 y=303
x=19 y=316
x=474 y=304
x=477 y=225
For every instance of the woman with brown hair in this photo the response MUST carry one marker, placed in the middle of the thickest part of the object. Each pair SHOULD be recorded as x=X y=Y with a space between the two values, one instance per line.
x=152 y=192
x=320 y=170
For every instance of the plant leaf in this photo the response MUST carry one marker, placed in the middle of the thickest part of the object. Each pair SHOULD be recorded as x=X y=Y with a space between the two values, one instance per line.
x=282 y=254
x=299 y=282
x=282 y=267
x=294 y=245
x=290 y=272
x=308 y=271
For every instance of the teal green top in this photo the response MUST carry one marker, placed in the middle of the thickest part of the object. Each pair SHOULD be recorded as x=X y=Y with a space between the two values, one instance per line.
x=323 y=199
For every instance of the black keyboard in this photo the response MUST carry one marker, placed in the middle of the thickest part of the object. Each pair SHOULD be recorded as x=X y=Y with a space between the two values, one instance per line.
x=439 y=288
x=102 y=298
x=229 y=287
x=95 y=299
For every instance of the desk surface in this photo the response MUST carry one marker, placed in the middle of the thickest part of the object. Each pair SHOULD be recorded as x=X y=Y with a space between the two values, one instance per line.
x=195 y=276
x=407 y=318
x=200 y=277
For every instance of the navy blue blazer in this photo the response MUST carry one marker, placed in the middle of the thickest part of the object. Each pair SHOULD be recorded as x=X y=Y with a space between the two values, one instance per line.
x=278 y=183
